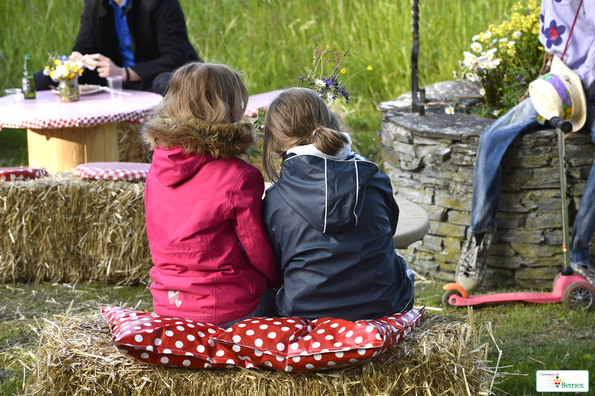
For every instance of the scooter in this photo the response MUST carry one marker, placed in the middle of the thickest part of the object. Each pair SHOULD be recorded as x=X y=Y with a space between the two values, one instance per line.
x=573 y=290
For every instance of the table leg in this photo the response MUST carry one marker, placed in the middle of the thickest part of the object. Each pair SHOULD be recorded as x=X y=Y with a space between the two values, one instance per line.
x=62 y=149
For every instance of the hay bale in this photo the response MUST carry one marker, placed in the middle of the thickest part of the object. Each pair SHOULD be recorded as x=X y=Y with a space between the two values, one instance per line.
x=65 y=229
x=130 y=148
x=443 y=356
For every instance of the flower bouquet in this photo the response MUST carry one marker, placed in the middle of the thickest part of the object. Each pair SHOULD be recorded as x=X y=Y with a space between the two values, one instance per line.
x=329 y=87
x=66 y=72
x=504 y=59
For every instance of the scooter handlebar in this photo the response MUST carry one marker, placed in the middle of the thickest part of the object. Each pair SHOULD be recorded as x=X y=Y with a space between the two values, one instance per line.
x=563 y=125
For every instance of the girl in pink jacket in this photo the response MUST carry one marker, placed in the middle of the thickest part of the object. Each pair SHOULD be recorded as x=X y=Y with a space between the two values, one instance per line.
x=213 y=261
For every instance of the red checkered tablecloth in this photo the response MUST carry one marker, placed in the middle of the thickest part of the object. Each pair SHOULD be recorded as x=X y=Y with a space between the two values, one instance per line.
x=47 y=111
x=21 y=173
x=124 y=171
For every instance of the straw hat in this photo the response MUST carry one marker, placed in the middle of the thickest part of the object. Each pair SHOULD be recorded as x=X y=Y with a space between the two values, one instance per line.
x=560 y=94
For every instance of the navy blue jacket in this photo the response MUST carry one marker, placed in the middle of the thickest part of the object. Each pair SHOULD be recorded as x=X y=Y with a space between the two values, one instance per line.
x=331 y=225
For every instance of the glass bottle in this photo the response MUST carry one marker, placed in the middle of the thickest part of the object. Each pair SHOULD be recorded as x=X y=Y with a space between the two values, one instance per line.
x=28 y=79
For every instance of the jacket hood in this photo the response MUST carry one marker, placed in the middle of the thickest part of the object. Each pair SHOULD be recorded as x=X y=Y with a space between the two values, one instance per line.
x=199 y=137
x=182 y=147
x=332 y=191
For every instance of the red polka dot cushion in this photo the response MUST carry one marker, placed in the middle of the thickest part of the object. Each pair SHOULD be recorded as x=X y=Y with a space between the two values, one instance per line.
x=21 y=173
x=289 y=344
x=165 y=340
x=123 y=171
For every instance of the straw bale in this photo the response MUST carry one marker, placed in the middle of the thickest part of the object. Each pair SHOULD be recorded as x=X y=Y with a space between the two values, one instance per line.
x=443 y=356
x=130 y=148
x=66 y=229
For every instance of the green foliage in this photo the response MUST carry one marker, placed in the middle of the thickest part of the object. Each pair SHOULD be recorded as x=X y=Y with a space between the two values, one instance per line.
x=271 y=41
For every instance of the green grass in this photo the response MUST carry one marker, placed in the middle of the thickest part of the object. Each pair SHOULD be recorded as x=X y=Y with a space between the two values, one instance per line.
x=531 y=336
x=272 y=41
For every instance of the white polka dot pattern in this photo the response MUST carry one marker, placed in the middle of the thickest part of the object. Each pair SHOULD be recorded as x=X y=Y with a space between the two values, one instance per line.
x=308 y=345
x=20 y=173
x=122 y=171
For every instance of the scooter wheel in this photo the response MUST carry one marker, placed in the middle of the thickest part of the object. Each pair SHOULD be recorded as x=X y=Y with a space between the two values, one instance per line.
x=579 y=296
x=446 y=298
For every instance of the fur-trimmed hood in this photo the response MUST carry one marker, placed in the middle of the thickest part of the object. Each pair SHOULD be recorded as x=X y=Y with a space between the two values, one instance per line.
x=199 y=137
x=181 y=148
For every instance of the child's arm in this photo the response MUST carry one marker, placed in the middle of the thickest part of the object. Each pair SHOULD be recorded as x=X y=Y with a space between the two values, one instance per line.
x=246 y=204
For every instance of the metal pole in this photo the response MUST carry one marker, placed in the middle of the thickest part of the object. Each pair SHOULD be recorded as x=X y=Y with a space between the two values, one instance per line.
x=417 y=105
x=565 y=228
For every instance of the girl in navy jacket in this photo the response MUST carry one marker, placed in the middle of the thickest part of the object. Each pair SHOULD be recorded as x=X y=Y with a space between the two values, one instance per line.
x=330 y=218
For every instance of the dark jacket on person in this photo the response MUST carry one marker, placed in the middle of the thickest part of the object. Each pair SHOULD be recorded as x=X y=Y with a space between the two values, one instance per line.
x=331 y=225
x=157 y=32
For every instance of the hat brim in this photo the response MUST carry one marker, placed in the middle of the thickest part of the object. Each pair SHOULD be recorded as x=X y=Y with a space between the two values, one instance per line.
x=579 y=111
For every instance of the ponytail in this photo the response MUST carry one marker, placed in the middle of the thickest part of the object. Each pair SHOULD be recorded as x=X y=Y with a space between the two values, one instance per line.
x=328 y=140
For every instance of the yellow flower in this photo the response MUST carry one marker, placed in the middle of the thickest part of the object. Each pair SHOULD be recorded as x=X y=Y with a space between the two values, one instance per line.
x=343 y=71
x=328 y=46
x=56 y=62
x=370 y=67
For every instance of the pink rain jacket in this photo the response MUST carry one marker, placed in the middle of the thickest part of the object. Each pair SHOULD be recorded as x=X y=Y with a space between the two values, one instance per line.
x=212 y=258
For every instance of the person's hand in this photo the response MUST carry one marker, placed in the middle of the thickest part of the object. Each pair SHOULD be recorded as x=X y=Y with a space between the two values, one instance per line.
x=76 y=56
x=105 y=66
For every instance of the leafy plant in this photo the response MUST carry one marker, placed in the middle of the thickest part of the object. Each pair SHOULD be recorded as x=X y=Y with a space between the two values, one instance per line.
x=504 y=59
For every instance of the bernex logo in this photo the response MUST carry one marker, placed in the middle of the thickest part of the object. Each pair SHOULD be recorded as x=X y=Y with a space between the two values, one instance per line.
x=563 y=381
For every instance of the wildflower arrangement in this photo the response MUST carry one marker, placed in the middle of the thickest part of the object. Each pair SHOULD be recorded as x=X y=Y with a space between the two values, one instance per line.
x=505 y=58
x=329 y=87
x=60 y=68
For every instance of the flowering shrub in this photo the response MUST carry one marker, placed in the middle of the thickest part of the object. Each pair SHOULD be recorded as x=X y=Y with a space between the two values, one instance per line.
x=60 y=68
x=505 y=58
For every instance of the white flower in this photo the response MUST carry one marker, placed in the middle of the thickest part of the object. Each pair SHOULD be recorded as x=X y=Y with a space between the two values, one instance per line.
x=476 y=47
x=470 y=76
x=320 y=83
x=449 y=110
x=61 y=72
x=510 y=44
x=454 y=74
x=517 y=34
x=494 y=41
x=487 y=35
x=482 y=92
x=495 y=113
x=483 y=65
x=475 y=38
x=330 y=99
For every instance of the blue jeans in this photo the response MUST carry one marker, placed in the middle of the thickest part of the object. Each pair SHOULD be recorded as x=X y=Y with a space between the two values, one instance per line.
x=487 y=177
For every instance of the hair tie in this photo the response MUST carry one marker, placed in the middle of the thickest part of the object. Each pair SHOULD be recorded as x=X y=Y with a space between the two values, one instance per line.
x=314 y=133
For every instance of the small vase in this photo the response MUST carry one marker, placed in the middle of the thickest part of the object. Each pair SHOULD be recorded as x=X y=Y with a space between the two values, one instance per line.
x=69 y=90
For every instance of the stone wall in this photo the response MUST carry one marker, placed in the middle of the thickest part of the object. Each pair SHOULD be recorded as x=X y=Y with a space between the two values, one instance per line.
x=430 y=162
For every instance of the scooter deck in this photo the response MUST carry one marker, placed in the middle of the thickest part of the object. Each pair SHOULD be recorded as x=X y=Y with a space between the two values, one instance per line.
x=555 y=296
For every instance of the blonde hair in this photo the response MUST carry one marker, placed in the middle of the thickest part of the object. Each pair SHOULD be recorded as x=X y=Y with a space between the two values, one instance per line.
x=208 y=91
x=297 y=117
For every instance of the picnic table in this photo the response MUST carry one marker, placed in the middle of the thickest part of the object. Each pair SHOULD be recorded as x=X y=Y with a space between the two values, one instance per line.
x=62 y=135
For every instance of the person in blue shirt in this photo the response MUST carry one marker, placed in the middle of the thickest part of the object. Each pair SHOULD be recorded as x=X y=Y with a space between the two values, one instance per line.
x=143 y=41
